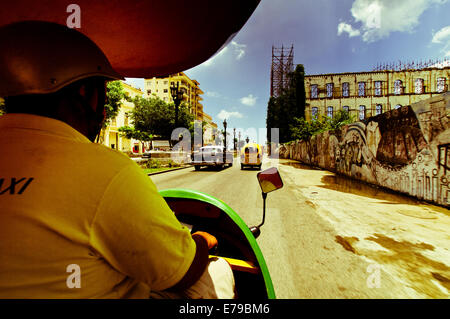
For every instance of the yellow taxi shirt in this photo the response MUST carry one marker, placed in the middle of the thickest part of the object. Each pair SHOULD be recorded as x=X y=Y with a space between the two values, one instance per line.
x=79 y=220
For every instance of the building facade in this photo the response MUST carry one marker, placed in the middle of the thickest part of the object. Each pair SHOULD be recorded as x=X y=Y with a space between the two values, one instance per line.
x=110 y=136
x=160 y=87
x=210 y=130
x=365 y=94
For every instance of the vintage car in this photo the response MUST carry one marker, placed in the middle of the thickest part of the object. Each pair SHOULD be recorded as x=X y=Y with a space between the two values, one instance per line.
x=251 y=155
x=211 y=156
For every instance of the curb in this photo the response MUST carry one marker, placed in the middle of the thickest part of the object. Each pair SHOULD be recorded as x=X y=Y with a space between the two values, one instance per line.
x=169 y=170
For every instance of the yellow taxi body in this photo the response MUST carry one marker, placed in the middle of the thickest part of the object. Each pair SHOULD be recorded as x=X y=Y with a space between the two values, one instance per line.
x=251 y=155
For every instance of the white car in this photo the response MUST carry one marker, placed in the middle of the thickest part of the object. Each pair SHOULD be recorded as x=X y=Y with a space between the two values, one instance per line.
x=211 y=156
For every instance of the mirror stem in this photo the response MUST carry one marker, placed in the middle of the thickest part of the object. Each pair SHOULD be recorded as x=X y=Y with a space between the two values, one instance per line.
x=264 y=196
x=255 y=229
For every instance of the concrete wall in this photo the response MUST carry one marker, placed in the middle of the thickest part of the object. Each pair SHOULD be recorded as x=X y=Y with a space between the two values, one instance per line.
x=406 y=150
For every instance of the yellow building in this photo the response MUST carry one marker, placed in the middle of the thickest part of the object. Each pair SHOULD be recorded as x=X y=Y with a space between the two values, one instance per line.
x=366 y=94
x=210 y=130
x=111 y=136
x=160 y=87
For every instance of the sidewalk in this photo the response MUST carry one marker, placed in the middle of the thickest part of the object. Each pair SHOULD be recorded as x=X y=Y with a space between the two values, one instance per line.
x=170 y=170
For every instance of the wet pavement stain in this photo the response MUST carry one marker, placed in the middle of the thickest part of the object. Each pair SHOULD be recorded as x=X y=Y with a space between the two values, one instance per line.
x=444 y=281
x=417 y=269
x=348 y=185
x=347 y=243
x=310 y=203
x=301 y=166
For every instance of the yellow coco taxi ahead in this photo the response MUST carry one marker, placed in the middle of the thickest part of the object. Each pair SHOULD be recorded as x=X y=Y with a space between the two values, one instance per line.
x=251 y=155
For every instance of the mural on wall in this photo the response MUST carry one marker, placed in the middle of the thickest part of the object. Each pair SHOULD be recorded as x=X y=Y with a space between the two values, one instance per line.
x=406 y=149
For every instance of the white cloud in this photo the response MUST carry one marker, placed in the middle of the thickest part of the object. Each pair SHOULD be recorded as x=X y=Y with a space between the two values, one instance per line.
x=233 y=50
x=378 y=18
x=345 y=27
x=212 y=94
x=442 y=36
x=239 y=49
x=249 y=100
x=223 y=114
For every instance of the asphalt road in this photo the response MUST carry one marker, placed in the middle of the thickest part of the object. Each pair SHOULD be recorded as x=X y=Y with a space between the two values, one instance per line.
x=310 y=248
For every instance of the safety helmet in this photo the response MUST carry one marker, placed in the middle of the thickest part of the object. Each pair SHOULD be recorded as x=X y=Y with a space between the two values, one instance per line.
x=39 y=57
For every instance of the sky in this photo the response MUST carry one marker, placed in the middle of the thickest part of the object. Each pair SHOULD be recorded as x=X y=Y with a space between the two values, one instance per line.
x=329 y=36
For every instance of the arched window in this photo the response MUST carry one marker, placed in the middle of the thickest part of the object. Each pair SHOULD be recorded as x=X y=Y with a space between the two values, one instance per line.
x=361 y=88
x=441 y=85
x=330 y=111
x=377 y=90
x=362 y=112
x=418 y=86
x=345 y=89
x=378 y=109
x=314 y=112
x=398 y=87
x=329 y=89
x=314 y=91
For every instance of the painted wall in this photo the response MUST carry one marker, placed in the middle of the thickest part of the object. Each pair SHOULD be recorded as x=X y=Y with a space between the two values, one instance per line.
x=406 y=150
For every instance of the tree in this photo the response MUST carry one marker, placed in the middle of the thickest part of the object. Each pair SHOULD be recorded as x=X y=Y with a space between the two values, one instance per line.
x=282 y=110
x=132 y=133
x=114 y=96
x=303 y=130
x=154 y=117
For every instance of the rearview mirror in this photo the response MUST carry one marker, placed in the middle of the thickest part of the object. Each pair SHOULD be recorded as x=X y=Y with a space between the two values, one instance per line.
x=269 y=180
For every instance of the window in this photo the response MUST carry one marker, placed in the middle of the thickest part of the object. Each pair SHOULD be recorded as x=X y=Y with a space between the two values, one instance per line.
x=314 y=112
x=362 y=112
x=329 y=89
x=149 y=92
x=314 y=93
x=378 y=109
x=346 y=108
x=377 y=91
x=330 y=112
x=165 y=90
x=345 y=89
x=361 y=88
x=441 y=85
x=418 y=86
x=398 y=88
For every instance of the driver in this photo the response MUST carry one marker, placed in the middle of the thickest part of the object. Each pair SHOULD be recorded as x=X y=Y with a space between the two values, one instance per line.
x=79 y=220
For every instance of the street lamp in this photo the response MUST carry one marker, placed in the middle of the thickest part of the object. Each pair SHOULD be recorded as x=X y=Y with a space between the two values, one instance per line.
x=177 y=96
x=225 y=139
x=234 y=140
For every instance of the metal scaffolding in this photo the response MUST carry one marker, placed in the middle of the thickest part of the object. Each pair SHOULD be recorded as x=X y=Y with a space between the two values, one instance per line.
x=282 y=65
x=412 y=65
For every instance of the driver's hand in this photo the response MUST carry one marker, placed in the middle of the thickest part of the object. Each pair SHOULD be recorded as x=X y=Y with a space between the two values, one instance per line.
x=210 y=239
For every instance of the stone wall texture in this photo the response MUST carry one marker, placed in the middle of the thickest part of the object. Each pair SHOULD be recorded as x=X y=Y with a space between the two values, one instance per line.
x=406 y=150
